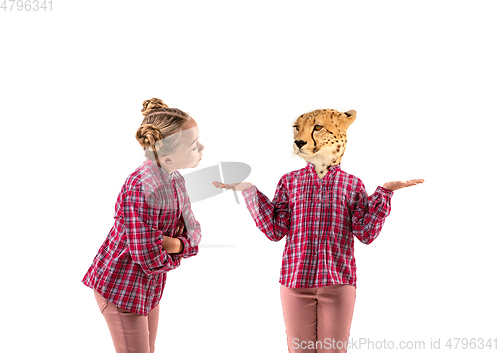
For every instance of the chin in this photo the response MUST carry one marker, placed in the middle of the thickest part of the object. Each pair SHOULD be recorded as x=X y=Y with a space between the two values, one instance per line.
x=307 y=156
x=321 y=157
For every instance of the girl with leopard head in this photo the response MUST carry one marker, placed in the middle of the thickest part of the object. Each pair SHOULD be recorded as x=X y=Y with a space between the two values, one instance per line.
x=319 y=209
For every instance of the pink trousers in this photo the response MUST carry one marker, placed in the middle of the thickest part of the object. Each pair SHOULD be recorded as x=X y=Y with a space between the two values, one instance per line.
x=318 y=319
x=131 y=333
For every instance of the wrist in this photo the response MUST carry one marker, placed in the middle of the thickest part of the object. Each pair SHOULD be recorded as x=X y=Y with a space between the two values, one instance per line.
x=172 y=245
x=178 y=246
x=385 y=186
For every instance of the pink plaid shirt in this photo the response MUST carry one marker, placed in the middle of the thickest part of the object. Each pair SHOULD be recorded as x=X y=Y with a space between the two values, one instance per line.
x=319 y=218
x=130 y=268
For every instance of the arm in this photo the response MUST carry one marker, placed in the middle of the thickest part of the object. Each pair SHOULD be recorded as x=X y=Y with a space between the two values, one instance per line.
x=173 y=245
x=141 y=220
x=368 y=213
x=272 y=218
x=190 y=235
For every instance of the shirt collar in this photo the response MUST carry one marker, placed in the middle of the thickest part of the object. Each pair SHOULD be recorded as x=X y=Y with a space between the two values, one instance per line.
x=331 y=169
x=163 y=172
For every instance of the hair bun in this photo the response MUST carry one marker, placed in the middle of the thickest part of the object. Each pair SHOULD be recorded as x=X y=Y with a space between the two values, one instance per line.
x=152 y=104
x=148 y=135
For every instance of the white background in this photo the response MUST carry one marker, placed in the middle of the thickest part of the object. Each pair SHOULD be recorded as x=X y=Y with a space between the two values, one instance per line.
x=422 y=76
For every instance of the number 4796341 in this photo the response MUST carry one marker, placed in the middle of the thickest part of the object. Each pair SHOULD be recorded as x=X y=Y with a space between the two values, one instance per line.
x=26 y=5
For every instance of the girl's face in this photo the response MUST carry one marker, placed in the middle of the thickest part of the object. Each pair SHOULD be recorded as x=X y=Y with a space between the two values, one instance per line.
x=188 y=153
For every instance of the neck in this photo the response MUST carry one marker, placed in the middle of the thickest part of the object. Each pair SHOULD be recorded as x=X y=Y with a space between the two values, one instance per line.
x=168 y=169
x=322 y=164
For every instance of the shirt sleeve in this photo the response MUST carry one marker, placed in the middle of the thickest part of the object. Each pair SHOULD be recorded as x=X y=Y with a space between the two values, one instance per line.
x=141 y=221
x=368 y=213
x=191 y=235
x=272 y=218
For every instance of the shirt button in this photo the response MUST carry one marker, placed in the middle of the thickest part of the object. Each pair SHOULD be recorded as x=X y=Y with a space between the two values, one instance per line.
x=314 y=252
x=316 y=218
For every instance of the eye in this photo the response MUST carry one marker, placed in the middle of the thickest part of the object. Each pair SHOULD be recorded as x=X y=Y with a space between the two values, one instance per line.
x=317 y=127
x=296 y=127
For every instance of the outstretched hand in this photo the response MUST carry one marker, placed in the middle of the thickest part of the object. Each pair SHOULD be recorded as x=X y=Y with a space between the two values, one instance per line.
x=395 y=185
x=233 y=186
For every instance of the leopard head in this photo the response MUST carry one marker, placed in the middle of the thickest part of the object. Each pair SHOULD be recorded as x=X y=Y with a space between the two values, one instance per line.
x=320 y=137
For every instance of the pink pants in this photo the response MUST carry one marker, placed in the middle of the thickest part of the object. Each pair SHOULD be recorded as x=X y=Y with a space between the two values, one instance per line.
x=131 y=333
x=318 y=319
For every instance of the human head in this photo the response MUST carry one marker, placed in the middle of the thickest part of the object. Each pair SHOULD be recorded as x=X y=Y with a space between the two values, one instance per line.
x=167 y=135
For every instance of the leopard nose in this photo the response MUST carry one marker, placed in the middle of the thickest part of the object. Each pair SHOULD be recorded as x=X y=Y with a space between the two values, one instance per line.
x=300 y=143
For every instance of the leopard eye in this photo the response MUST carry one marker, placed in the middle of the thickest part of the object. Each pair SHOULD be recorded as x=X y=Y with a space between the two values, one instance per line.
x=296 y=127
x=318 y=127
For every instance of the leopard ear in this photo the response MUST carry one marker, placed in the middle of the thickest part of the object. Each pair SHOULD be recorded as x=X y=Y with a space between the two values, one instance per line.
x=347 y=118
x=351 y=113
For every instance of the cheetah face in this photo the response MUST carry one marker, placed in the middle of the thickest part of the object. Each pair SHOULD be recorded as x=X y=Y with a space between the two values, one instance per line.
x=320 y=136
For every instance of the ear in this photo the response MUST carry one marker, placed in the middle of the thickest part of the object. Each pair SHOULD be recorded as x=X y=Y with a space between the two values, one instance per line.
x=166 y=160
x=347 y=118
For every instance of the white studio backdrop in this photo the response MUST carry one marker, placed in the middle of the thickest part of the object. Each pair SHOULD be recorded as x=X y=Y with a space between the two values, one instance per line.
x=423 y=78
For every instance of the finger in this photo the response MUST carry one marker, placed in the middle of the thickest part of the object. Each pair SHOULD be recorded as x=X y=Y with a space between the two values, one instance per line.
x=411 y=182
x=222 y=185
x=415 y=181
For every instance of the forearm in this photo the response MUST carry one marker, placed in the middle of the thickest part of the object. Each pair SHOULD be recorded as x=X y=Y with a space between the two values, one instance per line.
x=172 y=245
x=369 y=214
x=272 y=218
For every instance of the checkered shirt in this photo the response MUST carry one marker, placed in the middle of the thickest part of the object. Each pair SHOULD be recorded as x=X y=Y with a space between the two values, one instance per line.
x=130 y=268
x=319 y=219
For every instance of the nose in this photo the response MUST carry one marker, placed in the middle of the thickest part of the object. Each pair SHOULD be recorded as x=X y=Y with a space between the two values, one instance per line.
x=300 y=143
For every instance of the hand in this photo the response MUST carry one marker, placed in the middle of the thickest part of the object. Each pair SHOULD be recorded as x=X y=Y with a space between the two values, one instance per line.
x=234 y=186
x=395 y=185
x=172 y=245
x=180 y=228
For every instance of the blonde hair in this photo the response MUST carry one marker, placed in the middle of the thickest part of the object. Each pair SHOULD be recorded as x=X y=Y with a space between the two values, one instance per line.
x=158 y=131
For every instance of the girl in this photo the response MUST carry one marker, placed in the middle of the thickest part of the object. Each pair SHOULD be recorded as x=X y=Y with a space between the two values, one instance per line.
x=319 y=208
x=154 y=229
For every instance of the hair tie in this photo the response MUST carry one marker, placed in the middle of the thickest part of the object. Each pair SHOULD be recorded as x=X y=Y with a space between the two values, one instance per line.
x=160 y=144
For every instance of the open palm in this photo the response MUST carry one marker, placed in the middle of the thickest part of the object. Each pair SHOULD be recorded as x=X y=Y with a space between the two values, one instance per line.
x=233 y=186
x=395 y=185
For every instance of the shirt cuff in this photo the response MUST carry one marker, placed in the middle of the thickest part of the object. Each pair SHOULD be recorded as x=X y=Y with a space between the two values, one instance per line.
x=187 y=250
x=250 y=196
x=385 y=191
x=250 y=191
